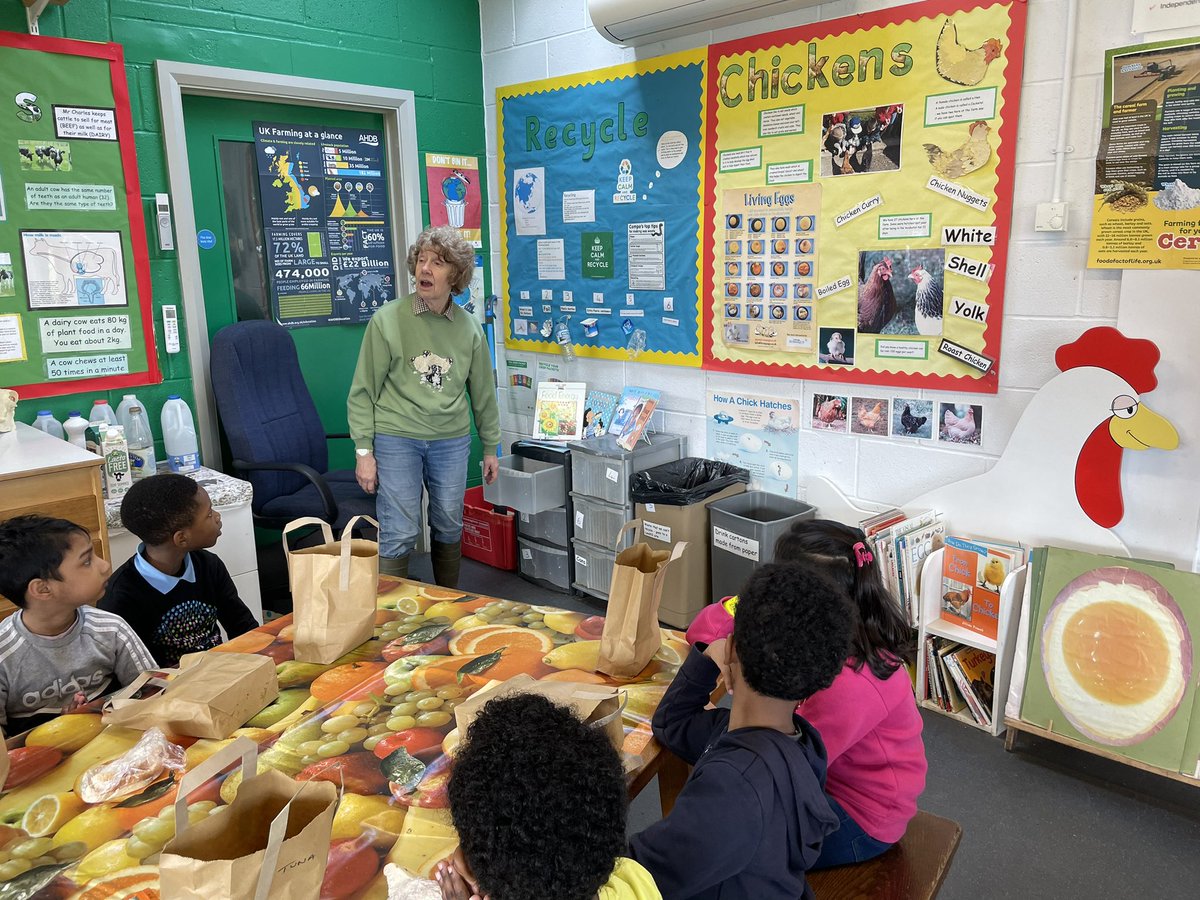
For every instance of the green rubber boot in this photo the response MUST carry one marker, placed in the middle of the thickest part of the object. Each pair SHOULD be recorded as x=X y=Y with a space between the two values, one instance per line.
x=396 y=566
x=446 y=559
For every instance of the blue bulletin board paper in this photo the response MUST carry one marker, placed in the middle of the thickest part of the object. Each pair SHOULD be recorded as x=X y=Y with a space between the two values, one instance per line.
x=615 y=155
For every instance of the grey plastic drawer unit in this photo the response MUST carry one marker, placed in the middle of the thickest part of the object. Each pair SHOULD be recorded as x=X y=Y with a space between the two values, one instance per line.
x=527 y=485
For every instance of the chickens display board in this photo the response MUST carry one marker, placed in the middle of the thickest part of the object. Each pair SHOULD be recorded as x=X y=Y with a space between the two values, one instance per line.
x=858 y=190
x=600 y=203
x=75 y=307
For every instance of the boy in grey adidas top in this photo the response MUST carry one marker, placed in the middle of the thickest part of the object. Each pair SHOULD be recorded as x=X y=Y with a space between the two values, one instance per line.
x=57 y=652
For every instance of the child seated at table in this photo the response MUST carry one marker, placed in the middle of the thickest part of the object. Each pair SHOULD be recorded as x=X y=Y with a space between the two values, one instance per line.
x=173 y=591
x=57 y=652
x=538 y=801
x=751 y=818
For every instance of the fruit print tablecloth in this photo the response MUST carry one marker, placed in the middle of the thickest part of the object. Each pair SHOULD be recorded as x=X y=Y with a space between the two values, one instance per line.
x=342 y=722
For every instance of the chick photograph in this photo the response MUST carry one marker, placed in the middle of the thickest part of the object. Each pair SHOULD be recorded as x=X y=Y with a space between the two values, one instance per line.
x=960 y=423
x=835 y=346
x=912 y=418
x=858 y=141
x=900 y=291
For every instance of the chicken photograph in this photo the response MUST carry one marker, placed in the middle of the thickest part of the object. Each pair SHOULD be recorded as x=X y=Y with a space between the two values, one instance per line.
x=961 y=423
x=835 y=346
x=927 y=305
x=876 y=298
x=900 y=291
x=829 y=413
x=869 y=415
x=858 y=141
x=912 y=418
x=957 y=64
x=972 y=155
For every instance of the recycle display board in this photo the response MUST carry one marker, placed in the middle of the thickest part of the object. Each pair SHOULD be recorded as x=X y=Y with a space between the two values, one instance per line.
x=855 y=189
x=75 y=305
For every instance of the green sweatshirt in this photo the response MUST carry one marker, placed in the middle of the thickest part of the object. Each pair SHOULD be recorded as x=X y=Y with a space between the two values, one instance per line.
x=417 y=376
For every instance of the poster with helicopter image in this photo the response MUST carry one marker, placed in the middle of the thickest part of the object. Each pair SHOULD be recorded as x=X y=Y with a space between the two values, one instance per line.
x=759 y=434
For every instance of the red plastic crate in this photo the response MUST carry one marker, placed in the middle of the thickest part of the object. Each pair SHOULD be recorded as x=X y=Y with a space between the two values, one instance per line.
x=488 y=536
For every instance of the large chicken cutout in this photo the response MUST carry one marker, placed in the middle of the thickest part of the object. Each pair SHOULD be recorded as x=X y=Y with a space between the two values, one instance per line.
x=1059 y=479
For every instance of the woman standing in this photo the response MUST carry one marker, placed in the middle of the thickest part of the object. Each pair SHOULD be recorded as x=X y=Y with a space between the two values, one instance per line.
x=423 y=369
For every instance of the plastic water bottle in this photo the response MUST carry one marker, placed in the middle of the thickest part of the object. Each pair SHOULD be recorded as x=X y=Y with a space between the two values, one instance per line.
x=562 y=335
x=127 y=403
x=46 y=422
x=76 y=429
x=141 y=444
x=179 y=435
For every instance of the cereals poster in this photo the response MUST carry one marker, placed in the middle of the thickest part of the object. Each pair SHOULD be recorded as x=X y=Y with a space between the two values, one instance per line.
x=1147 y=203
x=600 y=208
x=857 y=193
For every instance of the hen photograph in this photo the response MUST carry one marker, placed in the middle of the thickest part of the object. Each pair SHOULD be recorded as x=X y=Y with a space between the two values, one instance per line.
x=900 y=291
x=870 y=415
x=912 y=418
x=829 y=412
x=961 y=423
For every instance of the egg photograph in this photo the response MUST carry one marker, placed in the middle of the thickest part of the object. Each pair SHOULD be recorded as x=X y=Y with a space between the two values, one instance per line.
x=1114 y=663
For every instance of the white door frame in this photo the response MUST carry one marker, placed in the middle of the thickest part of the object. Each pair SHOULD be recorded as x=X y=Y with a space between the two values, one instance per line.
x=398 y=108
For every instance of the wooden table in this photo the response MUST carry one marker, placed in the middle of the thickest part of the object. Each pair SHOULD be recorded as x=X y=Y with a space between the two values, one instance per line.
x=372 y=691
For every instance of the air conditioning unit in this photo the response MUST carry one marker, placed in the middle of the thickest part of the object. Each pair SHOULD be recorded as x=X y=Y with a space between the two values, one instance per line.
x=634 y=22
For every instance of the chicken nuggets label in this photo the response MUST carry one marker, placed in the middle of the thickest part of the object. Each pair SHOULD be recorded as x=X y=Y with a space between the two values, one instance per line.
x=962 y=354
x=968 y=309
x=960 y=193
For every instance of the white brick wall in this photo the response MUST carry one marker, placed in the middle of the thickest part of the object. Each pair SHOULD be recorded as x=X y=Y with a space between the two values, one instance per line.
x=1050 y=297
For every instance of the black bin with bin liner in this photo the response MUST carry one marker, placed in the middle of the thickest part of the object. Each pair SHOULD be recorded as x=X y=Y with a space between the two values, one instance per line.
x=744 y=531
x=673 y=502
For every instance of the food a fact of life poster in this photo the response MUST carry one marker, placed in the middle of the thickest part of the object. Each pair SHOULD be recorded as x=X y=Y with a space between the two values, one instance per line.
x=1146 y=211
x=600 y=205
x=857 y=191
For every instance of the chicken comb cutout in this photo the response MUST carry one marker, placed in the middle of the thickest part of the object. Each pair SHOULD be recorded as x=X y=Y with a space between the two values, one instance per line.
x=1104 y=347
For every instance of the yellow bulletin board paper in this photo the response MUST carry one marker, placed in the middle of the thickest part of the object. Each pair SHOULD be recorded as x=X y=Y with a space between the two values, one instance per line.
x=900 y=126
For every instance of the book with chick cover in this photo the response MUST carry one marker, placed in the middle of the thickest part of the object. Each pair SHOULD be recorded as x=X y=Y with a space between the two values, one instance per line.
x=972 y=573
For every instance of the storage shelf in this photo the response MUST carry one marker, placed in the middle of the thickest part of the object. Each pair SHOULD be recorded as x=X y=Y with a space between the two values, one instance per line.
x=951 y=632
x=962 y=715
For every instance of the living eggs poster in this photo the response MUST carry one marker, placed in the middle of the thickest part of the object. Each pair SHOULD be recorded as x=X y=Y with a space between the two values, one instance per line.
x=759 y=434
x=1113 y=659
x=600 y=210
x=890 y=135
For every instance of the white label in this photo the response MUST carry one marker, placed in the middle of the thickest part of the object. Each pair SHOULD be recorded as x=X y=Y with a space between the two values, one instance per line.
x=964 y=106
x=526 y=311
x=656 y=531
x=70 y=196
x=578 y=520
x=902 y=349
x=789 y=173
x=579 y=206
x=612 y=475
x=551 y=261
x=963 y=195
x=968 y=309
x=969 y=234
x=525 y=518
x=915 y=225
x=965 y=355
x=854 y=212
x=526 y=554
x=673 y=323
x=524 y=295
x=650 y=507
x=87 y=366
x=580 y=561
x=568 y=296
x=547 y=294
x=774 y=122
x=69 y=334
x=972 y=268
x=735 y=543
x=733 y=160
x=88 y=123
x=834 y=287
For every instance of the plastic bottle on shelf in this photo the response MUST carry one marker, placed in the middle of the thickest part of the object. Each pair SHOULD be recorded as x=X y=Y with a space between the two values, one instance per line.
x=46 y=422
x=142 y=462
x=75 y=428
x=127 y=403
x=102 y=412
x=179 y=435
x=562 y=335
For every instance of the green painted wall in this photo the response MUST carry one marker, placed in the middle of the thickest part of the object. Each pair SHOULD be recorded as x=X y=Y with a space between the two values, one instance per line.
x=431 y=50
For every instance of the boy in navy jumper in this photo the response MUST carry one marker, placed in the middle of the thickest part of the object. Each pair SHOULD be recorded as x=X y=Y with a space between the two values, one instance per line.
x=173 y=591
x=751 y=819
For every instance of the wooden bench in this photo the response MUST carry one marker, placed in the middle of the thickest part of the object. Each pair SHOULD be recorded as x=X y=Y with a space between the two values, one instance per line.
x=912 y=870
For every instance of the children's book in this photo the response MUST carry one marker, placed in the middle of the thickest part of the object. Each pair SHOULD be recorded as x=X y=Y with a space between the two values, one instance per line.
x=978 y=669
x=972 y=573
x=630 y=397
x=598 y=413
x=558 y=412
x=638 y=417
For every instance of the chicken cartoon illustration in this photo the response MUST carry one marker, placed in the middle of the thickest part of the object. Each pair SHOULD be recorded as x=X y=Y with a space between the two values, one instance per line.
x=969 y=157
x=957 y=64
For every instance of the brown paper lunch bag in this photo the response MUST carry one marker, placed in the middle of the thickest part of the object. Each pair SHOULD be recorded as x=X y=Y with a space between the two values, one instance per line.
x=631 y=634
x=334 y=591
x=273 y=841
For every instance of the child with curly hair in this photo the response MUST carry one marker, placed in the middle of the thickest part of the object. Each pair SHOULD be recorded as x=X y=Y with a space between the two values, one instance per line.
x=538 y=801
x=868 y=717
x=750 y=820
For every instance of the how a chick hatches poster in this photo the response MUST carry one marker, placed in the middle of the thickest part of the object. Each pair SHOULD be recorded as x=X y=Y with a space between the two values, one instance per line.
x=858 y=188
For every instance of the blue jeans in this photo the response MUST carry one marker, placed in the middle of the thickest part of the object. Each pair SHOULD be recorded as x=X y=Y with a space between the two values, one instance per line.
x=849 y=844
x=405 y=467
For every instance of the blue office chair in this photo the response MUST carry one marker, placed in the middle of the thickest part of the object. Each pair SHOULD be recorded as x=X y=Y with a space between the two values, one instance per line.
x=275 y=436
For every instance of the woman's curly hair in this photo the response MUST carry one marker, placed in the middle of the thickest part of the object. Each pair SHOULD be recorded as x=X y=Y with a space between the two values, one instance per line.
x=454 y=250
x=538 y=801
x=791 y=631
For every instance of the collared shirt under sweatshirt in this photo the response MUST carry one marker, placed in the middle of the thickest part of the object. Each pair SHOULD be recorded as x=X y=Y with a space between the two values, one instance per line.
x=420 y=375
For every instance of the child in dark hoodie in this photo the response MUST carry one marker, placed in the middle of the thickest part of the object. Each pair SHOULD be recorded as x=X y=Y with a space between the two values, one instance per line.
x=751 y=819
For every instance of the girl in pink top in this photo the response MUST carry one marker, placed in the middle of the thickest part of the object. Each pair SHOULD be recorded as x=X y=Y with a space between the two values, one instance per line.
x=868 y=717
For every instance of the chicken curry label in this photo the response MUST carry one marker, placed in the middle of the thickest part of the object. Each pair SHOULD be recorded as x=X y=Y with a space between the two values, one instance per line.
x=900 y=125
